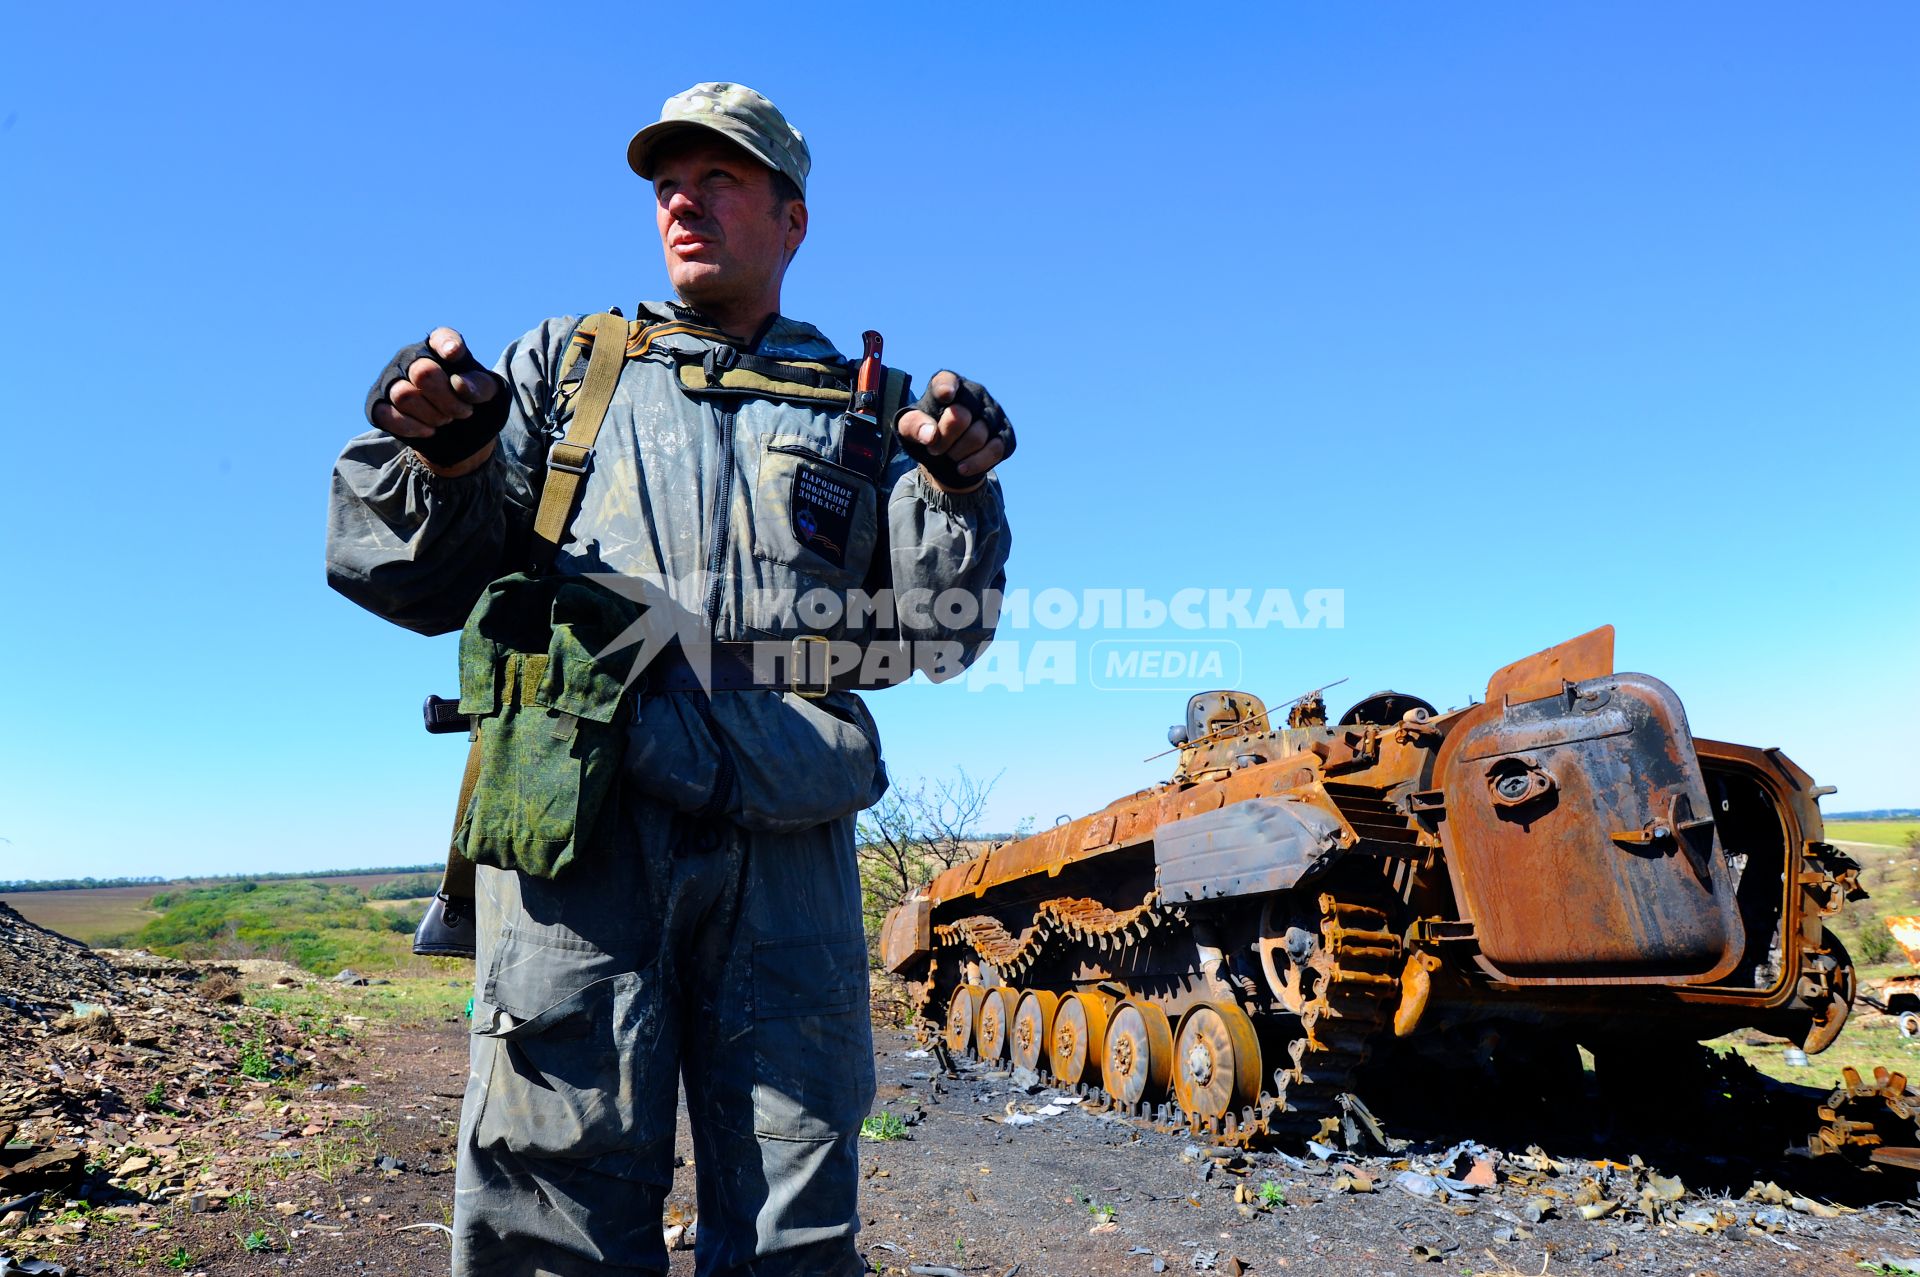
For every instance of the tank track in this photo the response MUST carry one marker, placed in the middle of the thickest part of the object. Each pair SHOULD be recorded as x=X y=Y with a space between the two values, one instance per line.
x=1350 y=1010
x=1083 y=921
x=1305 y=1094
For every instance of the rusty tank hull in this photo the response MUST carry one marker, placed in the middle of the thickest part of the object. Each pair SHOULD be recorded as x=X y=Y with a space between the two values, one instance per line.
x=1562 y=862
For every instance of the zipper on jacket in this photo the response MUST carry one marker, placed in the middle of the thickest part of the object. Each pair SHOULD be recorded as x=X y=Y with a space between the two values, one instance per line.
x=722 y=510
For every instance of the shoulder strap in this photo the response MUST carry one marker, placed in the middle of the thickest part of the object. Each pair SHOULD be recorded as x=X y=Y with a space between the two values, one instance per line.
x=567 y=463
x=569 y=459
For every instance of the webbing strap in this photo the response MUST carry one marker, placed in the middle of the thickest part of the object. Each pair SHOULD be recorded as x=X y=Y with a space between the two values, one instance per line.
x=567 y=464
x=790 y=382
x=458 y=879
x=569 y=458
x=562 y=491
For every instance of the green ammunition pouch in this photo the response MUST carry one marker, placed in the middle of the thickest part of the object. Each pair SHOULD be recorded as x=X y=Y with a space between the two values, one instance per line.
x=549 y=718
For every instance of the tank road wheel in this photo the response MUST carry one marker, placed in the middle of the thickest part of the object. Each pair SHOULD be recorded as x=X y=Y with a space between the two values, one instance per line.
x=1138 y=1059
x=1079 y=1027
x=1831 y=1018
x=1217 y=1061
x=996 y=1012
x=1032 y=1028
x=963 y=1017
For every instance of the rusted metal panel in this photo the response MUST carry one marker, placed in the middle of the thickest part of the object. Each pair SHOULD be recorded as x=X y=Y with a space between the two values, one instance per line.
x=907 y=934
x=1589 y=655
x=1099 y=833
x=1565 y=855
x=1906 y=934
x=1262 y=845
x=1581 y=843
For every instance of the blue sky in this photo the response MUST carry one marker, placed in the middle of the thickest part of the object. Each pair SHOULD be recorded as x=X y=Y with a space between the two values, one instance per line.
x=1504 y=320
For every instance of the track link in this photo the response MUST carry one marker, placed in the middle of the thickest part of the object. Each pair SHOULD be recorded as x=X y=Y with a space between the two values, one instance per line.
x=1302 y=1094
x=1340 y=1023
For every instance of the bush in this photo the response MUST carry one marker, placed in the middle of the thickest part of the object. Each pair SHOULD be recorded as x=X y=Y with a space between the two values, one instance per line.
x=317 y=925
x=416 y=887
x=1877 y=943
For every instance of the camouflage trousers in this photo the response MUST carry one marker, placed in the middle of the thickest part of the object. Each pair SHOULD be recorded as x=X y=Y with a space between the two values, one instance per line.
x=731 y=960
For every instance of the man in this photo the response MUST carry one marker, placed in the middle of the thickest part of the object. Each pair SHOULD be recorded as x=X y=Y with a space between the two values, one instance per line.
x=712 y=930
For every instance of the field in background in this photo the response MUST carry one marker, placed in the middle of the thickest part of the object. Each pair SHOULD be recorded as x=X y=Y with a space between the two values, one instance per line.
x=1884 y=833
x=1890 y=872
x=98 y=915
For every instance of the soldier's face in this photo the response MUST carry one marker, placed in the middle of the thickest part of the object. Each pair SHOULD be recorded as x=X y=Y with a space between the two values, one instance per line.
x=727 y=240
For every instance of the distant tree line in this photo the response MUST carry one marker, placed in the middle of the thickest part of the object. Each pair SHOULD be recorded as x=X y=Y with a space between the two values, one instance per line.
x=78 y=884
x=81 y=884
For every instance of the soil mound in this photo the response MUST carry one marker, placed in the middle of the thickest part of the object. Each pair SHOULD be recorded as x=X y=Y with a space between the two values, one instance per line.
x=42 y=970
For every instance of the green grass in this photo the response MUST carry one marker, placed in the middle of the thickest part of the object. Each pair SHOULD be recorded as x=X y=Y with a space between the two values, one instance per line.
x=1885 y=833
x=423 y=991
x=1867 y=1040
x=320 y=925
x=1890 y=872
x=108 y=915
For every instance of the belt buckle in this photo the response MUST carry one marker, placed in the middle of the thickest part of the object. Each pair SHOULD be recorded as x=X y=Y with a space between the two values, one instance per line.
x=797 y=665
x=554 y=462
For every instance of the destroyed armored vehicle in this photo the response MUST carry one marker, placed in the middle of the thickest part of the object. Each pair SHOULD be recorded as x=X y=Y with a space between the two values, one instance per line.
x=1563 y=863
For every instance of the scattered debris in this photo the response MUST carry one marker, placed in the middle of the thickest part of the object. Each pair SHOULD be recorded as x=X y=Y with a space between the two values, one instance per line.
x=110 y=1060
x=679 y=1227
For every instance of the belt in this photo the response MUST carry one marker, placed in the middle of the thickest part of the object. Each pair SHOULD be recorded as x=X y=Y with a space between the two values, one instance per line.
x=809 y=665
x=804 y=665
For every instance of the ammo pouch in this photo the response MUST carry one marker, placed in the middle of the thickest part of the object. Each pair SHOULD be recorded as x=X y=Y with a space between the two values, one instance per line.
x=550 y=718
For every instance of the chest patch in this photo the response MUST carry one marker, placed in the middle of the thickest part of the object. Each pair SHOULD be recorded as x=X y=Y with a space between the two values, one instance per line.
x=822 y=512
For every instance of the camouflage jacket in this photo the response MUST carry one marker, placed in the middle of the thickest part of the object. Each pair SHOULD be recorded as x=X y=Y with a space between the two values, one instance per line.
x=718 y=502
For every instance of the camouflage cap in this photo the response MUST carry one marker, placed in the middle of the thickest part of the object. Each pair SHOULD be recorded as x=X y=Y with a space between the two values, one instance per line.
x=738 y=114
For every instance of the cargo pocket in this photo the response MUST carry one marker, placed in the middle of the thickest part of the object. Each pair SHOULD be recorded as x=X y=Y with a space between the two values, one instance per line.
x=806 y=763
x=812 y=515
x=575 y=1071
x=813 y=1047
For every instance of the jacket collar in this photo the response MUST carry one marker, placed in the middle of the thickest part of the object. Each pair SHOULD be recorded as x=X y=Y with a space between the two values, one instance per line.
x=784 y=338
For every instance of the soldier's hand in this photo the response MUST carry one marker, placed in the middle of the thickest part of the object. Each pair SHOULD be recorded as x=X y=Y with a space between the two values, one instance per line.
x=957 y=432
x=437 y=397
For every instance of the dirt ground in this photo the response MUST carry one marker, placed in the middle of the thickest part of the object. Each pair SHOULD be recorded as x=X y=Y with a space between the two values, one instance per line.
x=985 y=1177
x=1080 y=1193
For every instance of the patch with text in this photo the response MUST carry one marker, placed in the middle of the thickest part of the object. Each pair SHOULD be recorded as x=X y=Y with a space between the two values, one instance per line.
x=822 y=512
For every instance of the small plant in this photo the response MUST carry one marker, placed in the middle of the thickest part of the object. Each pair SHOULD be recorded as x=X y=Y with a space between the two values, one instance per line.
x=180 y=1259
x=255 y=1060
x=256 y=1241
x=1101 y=1212
x=155 y=1098
x=1270 y=1195
x=884 y=1126
x=241 y=1199
x=1877 y=944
